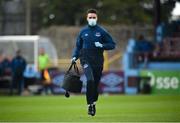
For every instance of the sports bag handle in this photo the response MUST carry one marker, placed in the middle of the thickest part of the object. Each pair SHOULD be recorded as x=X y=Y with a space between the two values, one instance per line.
x=75 y=68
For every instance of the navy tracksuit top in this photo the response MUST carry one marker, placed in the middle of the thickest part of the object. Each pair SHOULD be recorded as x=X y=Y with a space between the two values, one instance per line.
x=85 y=45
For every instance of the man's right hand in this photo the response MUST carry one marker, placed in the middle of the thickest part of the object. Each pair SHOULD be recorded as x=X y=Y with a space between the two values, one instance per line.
x=73 y=60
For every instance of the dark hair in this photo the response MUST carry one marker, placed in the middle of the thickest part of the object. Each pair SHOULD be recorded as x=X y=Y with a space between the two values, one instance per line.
x=18 y=51
x=91 y=11
x=141 y=37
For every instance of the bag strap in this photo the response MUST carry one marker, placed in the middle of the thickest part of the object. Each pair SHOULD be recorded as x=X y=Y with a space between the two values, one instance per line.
x=75 y=68
x=70 y=67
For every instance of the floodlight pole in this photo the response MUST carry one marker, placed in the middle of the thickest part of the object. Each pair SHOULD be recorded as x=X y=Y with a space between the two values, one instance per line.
x=157 y=13
x=28 y=17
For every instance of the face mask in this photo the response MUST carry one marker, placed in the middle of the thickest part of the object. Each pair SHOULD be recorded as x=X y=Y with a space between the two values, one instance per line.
x=92 y=22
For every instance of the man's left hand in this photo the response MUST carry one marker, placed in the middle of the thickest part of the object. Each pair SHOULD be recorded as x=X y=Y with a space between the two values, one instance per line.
x=98 y=44
x=73 y=60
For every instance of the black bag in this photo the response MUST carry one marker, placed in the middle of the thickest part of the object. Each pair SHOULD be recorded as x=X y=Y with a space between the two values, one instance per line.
x=72 y=82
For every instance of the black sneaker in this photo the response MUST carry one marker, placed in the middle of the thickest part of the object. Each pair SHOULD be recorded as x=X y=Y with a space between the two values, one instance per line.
x=67 y=95
x=91 y=110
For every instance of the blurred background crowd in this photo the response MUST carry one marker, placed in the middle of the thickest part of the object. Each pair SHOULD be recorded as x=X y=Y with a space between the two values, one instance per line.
x=37 y=38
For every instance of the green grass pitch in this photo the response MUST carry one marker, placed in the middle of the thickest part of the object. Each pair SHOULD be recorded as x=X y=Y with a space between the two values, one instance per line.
x=113 y=108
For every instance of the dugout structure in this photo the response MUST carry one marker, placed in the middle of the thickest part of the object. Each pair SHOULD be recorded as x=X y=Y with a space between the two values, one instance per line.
x=29 y=46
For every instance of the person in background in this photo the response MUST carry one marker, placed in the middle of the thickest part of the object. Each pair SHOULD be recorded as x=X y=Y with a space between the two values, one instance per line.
x=18 y=66
x=30 y=76
x=43 y=64
x=1 y=59
x=143 y=49
x=160 y=33
x=6 y=65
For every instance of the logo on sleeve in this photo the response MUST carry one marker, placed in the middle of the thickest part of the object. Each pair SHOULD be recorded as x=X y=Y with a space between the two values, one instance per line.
x=98 y=34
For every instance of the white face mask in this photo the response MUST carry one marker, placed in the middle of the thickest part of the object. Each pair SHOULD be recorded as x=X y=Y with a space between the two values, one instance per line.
x=92 y=22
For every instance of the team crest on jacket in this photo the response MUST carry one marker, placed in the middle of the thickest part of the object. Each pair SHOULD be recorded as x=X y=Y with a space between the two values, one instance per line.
x=98 y=34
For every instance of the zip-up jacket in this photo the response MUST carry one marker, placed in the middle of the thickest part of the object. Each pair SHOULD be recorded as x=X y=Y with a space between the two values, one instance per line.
x=85 y=44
